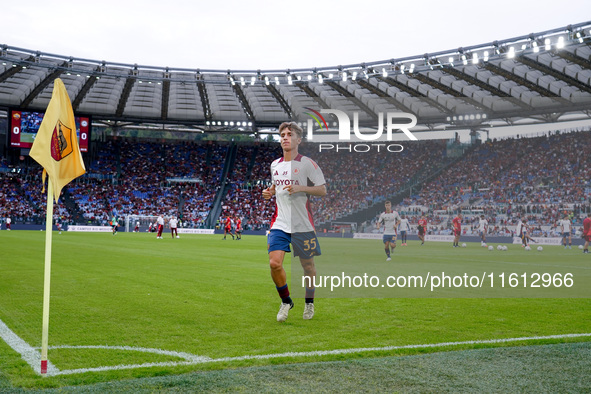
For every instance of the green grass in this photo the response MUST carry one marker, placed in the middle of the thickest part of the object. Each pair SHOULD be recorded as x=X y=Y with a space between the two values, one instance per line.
x=548 y=368
x=214 y=298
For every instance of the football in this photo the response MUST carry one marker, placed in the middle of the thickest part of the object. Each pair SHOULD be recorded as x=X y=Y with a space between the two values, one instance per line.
x=528 y=247
x=499 y=247
x=463 y=245
x=540 y=248
x=581 y=247
x=491 y=248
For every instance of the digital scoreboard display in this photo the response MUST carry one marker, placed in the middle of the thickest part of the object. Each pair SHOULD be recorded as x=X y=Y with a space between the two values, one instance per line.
x=24 y=126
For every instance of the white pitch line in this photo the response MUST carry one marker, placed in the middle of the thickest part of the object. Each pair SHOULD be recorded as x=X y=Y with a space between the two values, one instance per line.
x=33 y=357
x=184 y=355
x=27 y=352
x=319 y=353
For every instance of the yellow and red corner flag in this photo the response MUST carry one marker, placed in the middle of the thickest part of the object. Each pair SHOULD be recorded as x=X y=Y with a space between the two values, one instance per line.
x=56 y=145
x=56 y=149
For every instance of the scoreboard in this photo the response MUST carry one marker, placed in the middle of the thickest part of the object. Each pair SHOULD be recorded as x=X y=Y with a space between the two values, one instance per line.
x=24 y=126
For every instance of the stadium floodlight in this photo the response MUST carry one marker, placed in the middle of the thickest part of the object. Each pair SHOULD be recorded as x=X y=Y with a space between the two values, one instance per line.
x=448 y=119
x=299 y=77
x=464 y=60
x=511 y=53
x=536 y=47
x=483 y=116
x=219 y=122
x=472 y=117
x=207 y=122
x=477 y=116
x=460 y=117
x=249 y=124
x=474 y=58
x=330 y=76
x=450 y=60
x=523 y=47
x=244 y=124
x=485 y=57
x=225 y=123
x=412 y=68
x=289 y=80
x=354 y=76
x=547 y=43
x=365 y=74
x=344 y=76
x=309 y=77
x=320 y=79
x=454 y=118
x=402 y=67
x=276 y=80
x=266 y=80
x=560 y=43
x=580 y=37
x=384 y=72
x=242 y=82
x=232 y=81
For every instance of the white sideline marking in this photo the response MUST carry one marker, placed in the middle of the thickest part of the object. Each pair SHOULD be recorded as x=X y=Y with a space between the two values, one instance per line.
x=27 y=352
x=33 y=357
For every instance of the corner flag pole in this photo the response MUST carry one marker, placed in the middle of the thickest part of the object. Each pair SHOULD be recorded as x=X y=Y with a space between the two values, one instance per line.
x=47 y=278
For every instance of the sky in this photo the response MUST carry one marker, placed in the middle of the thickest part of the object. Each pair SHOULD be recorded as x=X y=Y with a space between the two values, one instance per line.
x=267 y=35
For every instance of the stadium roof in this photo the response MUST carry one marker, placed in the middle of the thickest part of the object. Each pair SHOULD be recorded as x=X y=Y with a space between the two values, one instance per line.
x=542 y=77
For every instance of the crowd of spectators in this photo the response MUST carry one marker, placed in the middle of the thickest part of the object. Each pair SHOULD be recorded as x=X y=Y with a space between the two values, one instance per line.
x=541 y=178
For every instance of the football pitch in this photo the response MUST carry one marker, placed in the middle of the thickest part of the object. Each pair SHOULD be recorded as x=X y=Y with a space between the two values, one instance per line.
x=131 y=306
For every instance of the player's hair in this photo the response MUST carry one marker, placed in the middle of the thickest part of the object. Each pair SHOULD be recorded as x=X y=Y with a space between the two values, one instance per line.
x=293 y=127
x=387 y=202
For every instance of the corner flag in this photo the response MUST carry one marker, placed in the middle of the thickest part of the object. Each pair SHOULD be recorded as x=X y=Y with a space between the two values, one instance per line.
x=56 y=149
x=56 y=145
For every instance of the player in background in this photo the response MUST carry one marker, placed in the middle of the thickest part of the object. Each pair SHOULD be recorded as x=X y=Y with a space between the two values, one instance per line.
x=58 y=224
x=521 y=231
x=137 y=227
x=115 y=224
x=482 y=230
x=173 y=223
x=160 y=224
x=587 y=232
x=8 y=223
x=404 y=227
x=457 y=229
x=228 y=227
x=422 y=227
x=391 y=221
x=238 y=223
x=565 y=229
x=294 y=179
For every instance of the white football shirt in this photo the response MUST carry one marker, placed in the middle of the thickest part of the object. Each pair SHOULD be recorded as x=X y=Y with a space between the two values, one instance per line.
x=565 y=224
x=404 y=225
x=389 y=220
x=482 y=224
x=292 y=212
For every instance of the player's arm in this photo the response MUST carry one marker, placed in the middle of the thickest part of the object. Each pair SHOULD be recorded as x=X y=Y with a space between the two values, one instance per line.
x=319 y=191
x=269 y=192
